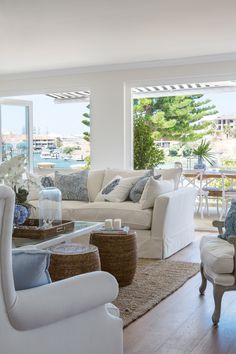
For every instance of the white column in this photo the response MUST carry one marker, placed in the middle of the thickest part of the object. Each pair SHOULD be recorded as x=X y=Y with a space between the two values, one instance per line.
x=111 y=145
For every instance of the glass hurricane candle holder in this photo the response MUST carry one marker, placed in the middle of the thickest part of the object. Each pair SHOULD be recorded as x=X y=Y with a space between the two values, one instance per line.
x=49 y=207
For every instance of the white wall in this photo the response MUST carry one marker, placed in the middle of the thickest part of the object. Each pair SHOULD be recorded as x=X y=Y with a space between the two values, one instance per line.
x=111 y=113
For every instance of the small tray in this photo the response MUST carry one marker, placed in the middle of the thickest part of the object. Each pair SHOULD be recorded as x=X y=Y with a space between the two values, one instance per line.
x=30 y=229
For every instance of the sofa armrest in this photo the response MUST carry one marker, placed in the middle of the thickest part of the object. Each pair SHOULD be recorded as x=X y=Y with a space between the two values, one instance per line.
x=173 y=212
x=57 y=301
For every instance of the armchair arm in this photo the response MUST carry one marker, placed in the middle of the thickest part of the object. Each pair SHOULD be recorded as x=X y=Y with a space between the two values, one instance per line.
x=53 y=302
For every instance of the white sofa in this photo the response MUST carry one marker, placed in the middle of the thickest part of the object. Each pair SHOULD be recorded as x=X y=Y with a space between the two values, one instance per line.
x=161 y=231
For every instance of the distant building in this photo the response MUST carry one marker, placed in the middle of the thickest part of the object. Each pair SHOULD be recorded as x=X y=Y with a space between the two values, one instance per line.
x=44 y=141
x=163 y=143
x=222 y=121
x=229 y=120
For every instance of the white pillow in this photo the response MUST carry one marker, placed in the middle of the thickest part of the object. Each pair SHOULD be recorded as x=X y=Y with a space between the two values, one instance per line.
x=170 y=174
x=117 y=190
x=34 y=187
x=153 y=189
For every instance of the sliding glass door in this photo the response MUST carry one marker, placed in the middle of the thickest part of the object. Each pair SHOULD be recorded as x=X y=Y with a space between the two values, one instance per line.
x=16 y=130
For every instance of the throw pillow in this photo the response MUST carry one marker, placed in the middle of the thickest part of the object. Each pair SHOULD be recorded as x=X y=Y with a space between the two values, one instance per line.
x=47 y=181
x=30 y=268
x=117 y=190
x=137 y=190
x=73 y=186
x=37 y=182
x=230 y=222
x=170 y=174
x=34 y=187
x=152 y=190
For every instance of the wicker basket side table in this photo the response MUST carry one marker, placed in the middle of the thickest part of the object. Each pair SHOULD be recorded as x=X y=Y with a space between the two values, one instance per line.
x=70 y=259
x=118 y=255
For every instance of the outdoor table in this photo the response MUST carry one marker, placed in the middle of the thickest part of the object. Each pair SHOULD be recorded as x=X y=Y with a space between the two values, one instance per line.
x=196 y=179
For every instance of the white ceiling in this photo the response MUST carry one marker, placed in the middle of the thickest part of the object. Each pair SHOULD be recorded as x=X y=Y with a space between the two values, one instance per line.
x=38 y=35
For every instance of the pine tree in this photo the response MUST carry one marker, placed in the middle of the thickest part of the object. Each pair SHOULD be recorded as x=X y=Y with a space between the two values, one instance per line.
x=86 y=122
x=182 y=113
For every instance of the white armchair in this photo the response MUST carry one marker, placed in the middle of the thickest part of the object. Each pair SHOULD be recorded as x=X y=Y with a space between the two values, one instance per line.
x=69 y=316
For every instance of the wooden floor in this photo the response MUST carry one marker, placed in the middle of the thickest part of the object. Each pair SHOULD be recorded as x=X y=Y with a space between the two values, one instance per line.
x=182 y=322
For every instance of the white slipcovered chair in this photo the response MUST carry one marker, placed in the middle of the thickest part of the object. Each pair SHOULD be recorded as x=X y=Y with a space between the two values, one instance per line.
x=218 y=265
x=65 y=317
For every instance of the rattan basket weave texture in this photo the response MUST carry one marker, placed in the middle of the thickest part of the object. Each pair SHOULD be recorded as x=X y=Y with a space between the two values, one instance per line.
x=70 y=259
x=118 y=255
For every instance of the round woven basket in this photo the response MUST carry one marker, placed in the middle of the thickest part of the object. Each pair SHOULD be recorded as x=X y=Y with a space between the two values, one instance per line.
x=70 y=259
x=118 y=255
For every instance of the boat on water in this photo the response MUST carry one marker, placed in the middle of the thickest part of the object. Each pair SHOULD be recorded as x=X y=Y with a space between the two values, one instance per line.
x=78 y=166
x=45 y=154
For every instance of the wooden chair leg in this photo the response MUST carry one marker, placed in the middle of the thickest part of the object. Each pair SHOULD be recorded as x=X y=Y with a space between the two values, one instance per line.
x=207 y=205
x=218 y=292
x=203 y=286
x=217 y=206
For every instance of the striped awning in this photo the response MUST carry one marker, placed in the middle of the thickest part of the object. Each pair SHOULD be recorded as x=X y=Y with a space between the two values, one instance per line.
x=155 y=91
x=68 y=96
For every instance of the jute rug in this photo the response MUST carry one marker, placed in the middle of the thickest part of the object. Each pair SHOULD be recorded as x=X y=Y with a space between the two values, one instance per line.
x=153 y=282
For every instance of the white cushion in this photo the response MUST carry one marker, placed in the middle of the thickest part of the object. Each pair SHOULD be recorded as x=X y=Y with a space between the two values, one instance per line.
x=220 y=279
x=94 y=184
x=117 y=190
x=111 y=173
x=34 y=187
x=152 y=190
x=170 y=174
x=130 y=213
x=217 y=254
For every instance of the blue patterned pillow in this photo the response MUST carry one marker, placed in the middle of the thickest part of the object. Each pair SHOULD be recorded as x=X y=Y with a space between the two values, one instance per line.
x=47 y=181
x=230 y=222
x=137 y=190
x=73 y=186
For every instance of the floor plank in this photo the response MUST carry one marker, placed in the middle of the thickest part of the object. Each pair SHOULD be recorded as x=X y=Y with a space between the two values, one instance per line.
x=181 y=324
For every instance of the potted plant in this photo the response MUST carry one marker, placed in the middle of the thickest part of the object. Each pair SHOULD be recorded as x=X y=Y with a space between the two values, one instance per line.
x=204 y=153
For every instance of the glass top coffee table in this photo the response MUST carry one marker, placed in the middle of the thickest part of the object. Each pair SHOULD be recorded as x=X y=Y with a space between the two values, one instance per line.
x=81 y=228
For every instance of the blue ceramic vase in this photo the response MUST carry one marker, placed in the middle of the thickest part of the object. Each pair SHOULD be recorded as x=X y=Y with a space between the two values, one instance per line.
x=200 y=164
x=21 y=214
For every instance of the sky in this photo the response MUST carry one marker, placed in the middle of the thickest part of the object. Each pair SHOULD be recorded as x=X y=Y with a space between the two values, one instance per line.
x=48 y=117
x=225 y=102
x=65 y=119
